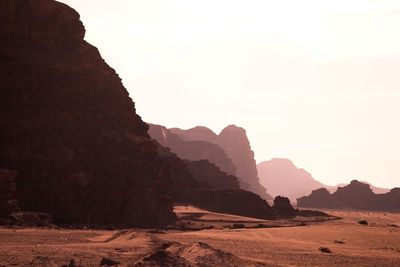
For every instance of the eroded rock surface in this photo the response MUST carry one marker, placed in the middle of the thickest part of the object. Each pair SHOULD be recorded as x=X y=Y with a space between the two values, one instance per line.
x=233 y=140
x=69 y=128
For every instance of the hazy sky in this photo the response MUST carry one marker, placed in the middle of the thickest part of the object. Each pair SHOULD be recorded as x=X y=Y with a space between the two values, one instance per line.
x=314 y=81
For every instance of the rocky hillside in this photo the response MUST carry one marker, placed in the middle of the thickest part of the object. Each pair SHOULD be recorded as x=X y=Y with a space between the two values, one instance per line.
x=68 y=129
x=282 y=177
x=233 y=140
x=356 y=195
x=206 y=172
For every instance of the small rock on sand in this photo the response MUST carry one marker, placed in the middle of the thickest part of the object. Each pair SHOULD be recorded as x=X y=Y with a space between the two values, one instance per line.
x=363 y=222
x=109 y=262
x=325 y=250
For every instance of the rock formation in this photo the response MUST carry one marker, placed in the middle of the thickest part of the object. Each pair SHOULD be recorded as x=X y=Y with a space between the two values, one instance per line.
x=282 y=177
x=356 y=195
x=283 y=208
x=68 y=127
x=234 y=141
x=239 y=202
x=8 y=203
x=202 y=184
x=375 y=189
x=192 y=149
x=206 y=172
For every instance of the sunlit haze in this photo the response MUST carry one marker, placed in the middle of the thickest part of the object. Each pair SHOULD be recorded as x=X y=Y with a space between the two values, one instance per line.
x=314 y=81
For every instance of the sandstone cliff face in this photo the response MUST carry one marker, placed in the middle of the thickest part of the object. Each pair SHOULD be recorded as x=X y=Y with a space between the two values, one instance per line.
x=69 y=128
x=356 y=195
x=234 y=141
x=282 y=177
x=193 y=150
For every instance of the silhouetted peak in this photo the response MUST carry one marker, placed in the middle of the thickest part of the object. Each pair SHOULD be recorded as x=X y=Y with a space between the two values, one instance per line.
x=356 y=185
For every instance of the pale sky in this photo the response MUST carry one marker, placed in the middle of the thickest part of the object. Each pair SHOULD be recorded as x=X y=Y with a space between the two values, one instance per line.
x=317 y=82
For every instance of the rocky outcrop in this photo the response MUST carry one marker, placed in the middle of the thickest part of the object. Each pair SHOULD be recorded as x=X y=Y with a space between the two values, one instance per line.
x=233 y=140
x=283 y=208
x=69 y=128
x=192 y=149
x=375 y=189
x=205 y=172
x=282 y=177
x=356 y=195
x=238 y=202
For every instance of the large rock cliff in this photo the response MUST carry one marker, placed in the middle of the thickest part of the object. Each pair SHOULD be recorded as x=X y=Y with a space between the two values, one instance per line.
x=233 y=140
x=68 y=127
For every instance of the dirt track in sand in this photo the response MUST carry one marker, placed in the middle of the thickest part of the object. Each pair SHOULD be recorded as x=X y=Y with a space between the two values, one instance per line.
x=351 y=244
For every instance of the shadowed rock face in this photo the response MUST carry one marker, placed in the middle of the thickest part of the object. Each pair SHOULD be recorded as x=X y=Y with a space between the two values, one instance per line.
x=234 y=141
x=283 y=208
x=69 y=128
x=239 y=202
x=202 y=184
x=206 y=172
x=356 y=195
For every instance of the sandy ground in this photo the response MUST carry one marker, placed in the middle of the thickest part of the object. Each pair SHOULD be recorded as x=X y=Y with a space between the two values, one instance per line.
x=281 y=243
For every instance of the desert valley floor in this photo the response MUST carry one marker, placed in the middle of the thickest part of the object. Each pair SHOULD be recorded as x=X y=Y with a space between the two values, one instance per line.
x=212 y=239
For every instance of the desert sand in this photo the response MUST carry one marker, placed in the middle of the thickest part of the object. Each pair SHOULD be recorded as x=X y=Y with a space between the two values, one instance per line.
x=204 y=238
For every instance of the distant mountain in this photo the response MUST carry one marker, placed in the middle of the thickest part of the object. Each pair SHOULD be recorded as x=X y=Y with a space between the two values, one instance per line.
x=282 y=177
x=375 y=189
x=233 y=140
x=356 y=195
